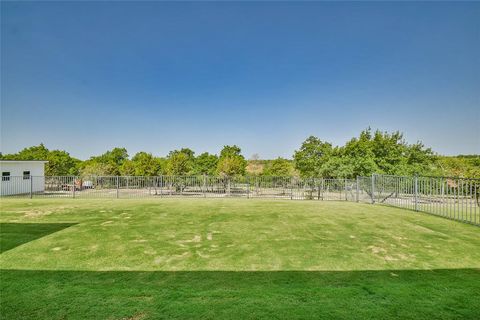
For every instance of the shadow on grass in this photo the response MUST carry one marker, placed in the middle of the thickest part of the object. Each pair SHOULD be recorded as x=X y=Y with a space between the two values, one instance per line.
x=405 y=294
x=14 y=234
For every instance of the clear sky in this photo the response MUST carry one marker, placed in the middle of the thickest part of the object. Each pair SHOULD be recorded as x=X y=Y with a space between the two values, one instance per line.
x=149 y=76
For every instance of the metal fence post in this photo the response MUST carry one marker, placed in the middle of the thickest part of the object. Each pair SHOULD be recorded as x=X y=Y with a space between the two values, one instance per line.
x=161 y=185
x=373 y=188
x=345 y=188
x=118 y=186
x=31 y=187
x=291 y=188
x=304 y=189
x=150 y=186
x=248 y=187
x=357 y=195
x=228 y=186
x=74 y=187
x=313 y=188
x=416 y=192
x=204 y=185
x=323 y=189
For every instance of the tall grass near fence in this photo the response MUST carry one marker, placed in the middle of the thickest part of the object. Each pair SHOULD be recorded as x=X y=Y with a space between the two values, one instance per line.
x=453 y=198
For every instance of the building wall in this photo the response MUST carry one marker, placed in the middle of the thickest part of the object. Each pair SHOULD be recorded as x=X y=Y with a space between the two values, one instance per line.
x=17 y=184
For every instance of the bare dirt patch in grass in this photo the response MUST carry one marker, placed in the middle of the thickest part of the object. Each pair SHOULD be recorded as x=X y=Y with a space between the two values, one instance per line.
x=138 y=316
x=36 y=213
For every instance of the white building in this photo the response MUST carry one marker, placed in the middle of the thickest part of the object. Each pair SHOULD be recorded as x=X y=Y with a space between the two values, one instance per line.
x=21 y=177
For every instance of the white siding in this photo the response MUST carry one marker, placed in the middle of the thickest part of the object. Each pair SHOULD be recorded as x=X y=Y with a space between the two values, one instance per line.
x=17 y=184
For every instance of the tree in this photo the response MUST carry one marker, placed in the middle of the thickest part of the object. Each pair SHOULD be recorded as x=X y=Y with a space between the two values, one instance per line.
x=459 y=166
x=108 y=163
x=279 y=167
x=39 y=152
x=231 y=162
x=145 y=164
x=387 y=153
x=419 y=160
x=60 y=163
x=230 y=151
x=116 y=157
x=312 y=155
x=338 y=166
x=205 y=164
x=231 y=166
x=180 y=162
x=92 y=168
x=378 y=152
x=359 y=153
x=189 y=152
x=127 y=168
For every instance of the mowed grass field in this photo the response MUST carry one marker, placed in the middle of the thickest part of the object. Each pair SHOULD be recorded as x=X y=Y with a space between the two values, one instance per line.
x=233 y=259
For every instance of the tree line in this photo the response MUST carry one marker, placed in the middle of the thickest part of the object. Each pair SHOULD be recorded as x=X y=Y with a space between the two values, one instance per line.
x=371 y=152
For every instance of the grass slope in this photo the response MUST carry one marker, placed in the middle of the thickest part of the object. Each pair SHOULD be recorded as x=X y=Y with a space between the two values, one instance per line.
x=226 y=258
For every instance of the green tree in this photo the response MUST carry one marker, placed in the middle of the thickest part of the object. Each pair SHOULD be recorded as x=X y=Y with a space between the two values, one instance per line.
x=419 y=160
x=116 y=157
x=312 y=155
x=127 y=168
x=279 y=167
x=458 y=166
x=180 y=162
x=230 y=151
x=189 y=152
x=231 y=166
x=91 y=168
x=108 y=163
x=59 y=163
x=205 y=164
x=358 y=154
x=146 y=164
x=387 y=153
x=377 y=152
x=39 y=152
x=231 y=162
x=338 y=166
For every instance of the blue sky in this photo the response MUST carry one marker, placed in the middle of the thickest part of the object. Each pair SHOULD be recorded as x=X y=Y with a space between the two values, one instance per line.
x=89 y=76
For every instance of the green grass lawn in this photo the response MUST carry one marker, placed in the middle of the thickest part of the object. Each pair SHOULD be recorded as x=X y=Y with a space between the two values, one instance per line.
x=231 y=259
